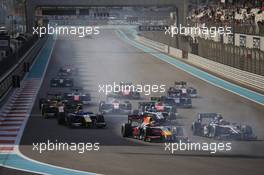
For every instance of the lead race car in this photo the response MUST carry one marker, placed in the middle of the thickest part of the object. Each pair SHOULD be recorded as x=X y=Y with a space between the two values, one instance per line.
x=212 y=125
x=145 y=128
x=114 y=106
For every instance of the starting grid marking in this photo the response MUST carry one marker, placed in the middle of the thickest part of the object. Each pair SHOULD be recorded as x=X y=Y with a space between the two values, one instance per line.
x=14 y=114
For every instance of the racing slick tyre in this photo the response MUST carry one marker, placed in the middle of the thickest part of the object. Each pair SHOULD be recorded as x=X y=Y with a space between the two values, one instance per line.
x=43 y=113
x=45 y=116
x=126 y=130
x=61 y=119
x=41 y=101
x=146 y=134
x=196 y=128
x=100 y=119
x=135 y=112
x=136 y=95
x=213 y=131
x=129 y=106
x=101 y=104
x=69 y=125
x=206 y=131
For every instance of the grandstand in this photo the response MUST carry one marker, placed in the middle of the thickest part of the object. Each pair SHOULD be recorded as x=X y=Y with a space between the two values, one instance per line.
x=243 y=48
x=235 y=14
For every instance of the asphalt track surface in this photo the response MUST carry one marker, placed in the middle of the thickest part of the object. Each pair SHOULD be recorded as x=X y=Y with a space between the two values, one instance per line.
x=105 y=59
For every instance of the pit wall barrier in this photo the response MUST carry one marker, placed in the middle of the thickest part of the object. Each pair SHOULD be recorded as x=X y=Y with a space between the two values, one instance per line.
x=19 y=70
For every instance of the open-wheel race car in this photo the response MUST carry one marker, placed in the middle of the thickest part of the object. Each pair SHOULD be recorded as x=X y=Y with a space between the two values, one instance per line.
x=49 y=106
x=114 y=106
x=79 y=118
x=212 y=125
x=61 y=82
x=55 y=103
x=181 y=89
x=78 y=95
x=67 y=70
x=179 y=102
x=144 y=127
x=170 y=112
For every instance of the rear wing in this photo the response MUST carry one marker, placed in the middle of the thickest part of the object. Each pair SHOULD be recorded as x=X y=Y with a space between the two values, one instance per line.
x=149 y=103
x=61 y=78
x=155 y=99
x=208 y=115
x=135 y=117
x=126 y=83
x=180 y=83
x=76 y=89
x=54 y=94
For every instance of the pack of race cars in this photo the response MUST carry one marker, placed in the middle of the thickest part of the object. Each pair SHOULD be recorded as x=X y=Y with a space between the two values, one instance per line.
x=151 y=121
x=67 y=105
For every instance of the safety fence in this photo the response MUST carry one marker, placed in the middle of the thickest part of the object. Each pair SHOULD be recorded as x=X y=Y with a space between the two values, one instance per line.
x=247 y=59
x=8 y=62
x=251 y=60
x=240 y=76
x=18 y=66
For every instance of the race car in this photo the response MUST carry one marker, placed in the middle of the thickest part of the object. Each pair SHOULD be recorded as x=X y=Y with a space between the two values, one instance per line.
x=49 y=108
x=50 y=97
x=212 y=125
x=78 y=95
x=124 y=91
x=144 y=128
x=170 y=112
x=114 y=106
x=181 y=89
x=56 y=103
x=174 y=101
x=83 y=119
x=61 y=82
x=67 y=70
